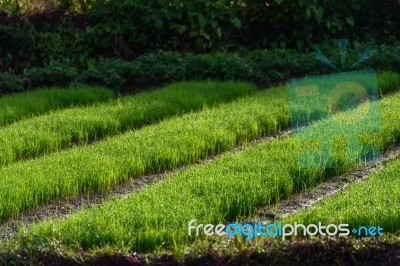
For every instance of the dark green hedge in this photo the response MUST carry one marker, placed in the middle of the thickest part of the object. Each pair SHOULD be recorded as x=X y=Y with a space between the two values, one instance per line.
x=78 y=31
x=263 y=67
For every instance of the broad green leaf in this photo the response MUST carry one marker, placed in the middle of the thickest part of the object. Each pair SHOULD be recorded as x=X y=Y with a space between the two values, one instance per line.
x=350 y=21
x=319 y=12
x=237 y=22
x=219 y=32
x=308 y=12
x=202 y=21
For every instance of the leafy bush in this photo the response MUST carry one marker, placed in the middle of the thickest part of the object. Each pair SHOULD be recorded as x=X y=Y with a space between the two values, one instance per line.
x=111 y=73
x=263 y=67
x=16 y=46
x=43 y=31
x=10 y=82
x=53 y=74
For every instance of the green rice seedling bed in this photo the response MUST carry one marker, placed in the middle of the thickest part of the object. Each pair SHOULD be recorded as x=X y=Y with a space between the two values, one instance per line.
x=234 y=185
x=371 y=202
x=61 y=129
x=27 y=104
x=169 y=144
x=79 y=125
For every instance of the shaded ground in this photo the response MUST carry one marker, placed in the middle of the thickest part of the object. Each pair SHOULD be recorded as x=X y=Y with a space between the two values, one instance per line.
x=336 y=251
x=333 y=251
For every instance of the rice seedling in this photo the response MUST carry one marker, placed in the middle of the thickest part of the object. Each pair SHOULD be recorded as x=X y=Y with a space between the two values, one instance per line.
x=372 y=202
x=27 y=104
x=166 y=145
x=388 y=82
x=234 y=185
x=80 y=125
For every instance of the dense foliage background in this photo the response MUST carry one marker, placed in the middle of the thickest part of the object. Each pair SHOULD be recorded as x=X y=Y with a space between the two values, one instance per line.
x=68 y=36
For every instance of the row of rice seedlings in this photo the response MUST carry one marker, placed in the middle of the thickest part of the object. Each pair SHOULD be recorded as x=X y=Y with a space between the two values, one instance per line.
x=388 y=82
x=171 y=143
x=371 y=202
x=61 y=129
x=80 y=125
x=27 y=104
x=234 y=185
x=341 y=92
